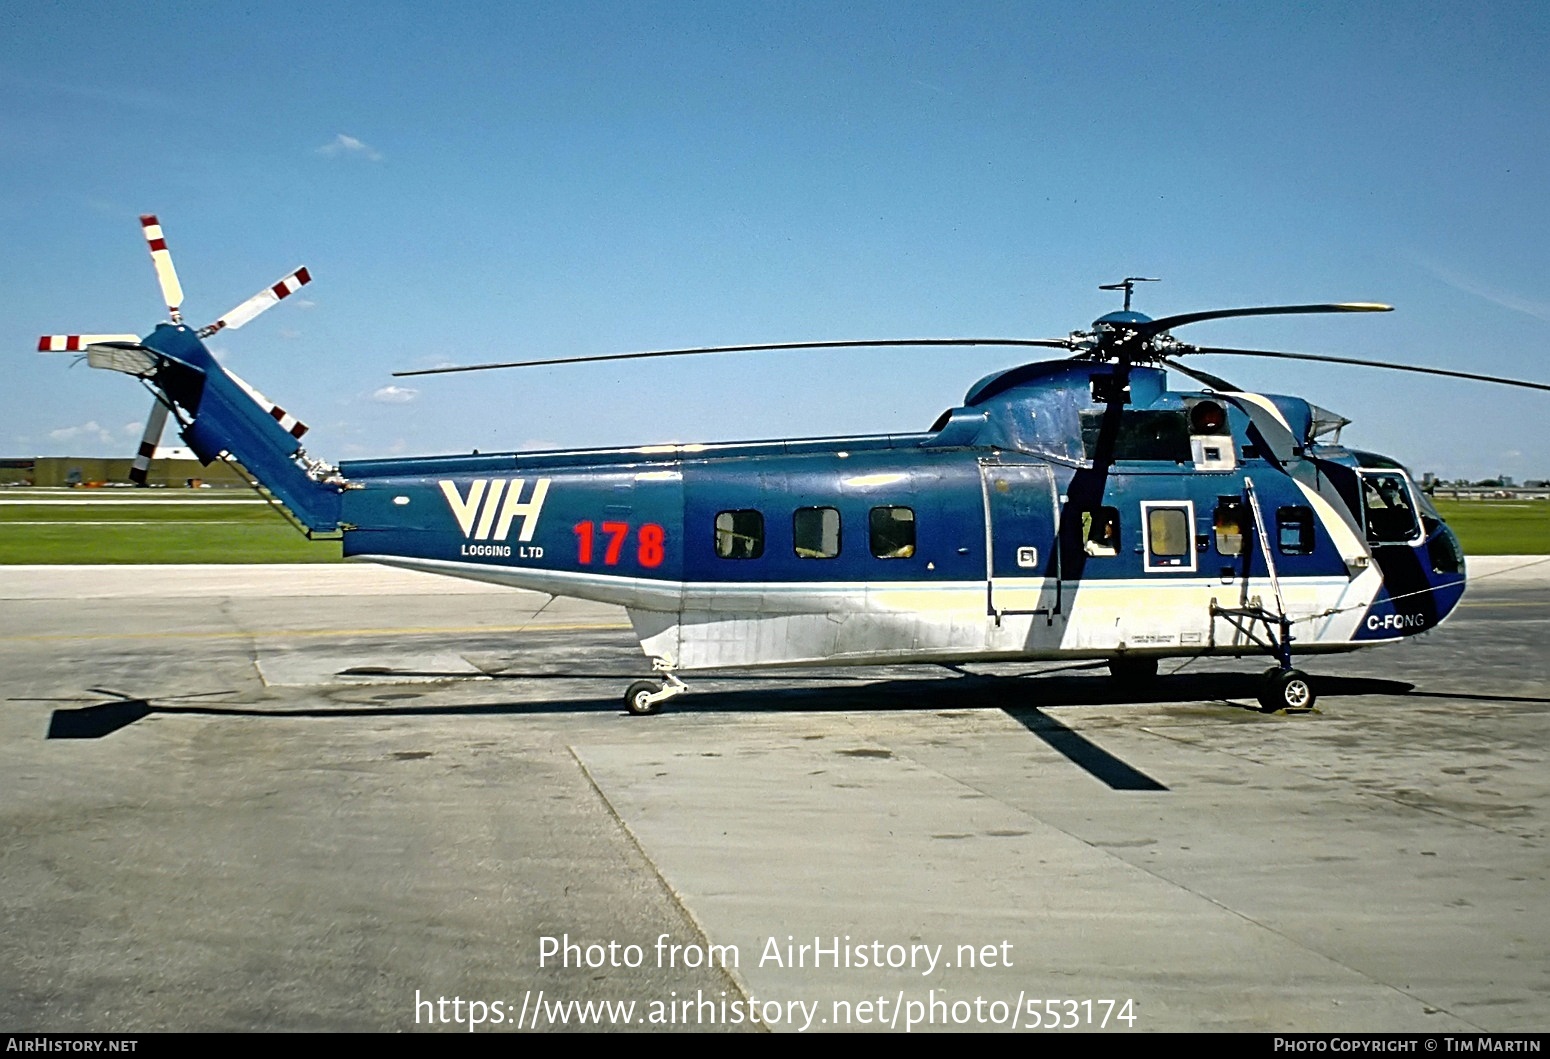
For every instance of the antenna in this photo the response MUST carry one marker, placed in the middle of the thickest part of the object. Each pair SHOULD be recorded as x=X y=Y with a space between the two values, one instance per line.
x=1128 y=284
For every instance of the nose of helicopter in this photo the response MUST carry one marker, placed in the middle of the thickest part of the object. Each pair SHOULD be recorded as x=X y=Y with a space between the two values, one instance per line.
x=1423 y=582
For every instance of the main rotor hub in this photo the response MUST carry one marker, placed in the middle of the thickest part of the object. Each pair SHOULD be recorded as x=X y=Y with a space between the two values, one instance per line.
x=1123 y=337
x=1121 y=318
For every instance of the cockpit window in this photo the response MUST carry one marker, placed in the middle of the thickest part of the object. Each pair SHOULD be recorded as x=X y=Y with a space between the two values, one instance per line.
x=1390 y=511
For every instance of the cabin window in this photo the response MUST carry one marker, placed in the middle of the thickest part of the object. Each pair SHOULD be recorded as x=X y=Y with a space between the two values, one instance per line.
x=1294 y=530
x=1391 y=517
x=740 y=534
x=1100 y=531
x=1170 y=540
x=1228 y=524
x=815 y=532
x=893 y=532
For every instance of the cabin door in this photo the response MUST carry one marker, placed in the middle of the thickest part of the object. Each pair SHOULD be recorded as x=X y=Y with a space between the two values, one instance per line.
x=1022 y=561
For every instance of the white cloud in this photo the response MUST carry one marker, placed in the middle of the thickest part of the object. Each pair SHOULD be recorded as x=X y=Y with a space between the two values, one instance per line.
x=1506 y=299
x=91 y=431
x=349 y=145
x=395 y=395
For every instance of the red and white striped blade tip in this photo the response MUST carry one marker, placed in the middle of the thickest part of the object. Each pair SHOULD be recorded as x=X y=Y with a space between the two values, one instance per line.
x=161 y=257
x=292 y=426
x=78 y=343
x=265 y=298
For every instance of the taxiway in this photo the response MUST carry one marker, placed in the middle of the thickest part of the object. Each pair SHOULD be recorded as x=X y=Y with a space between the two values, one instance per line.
x=302 y=798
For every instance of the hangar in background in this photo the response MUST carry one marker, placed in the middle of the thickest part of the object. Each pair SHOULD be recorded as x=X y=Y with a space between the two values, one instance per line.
x=170 y=468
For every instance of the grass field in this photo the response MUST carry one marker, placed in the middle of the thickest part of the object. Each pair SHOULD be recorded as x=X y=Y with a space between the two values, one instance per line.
x=1499 y=527
x=227 y=526
x=149 y=526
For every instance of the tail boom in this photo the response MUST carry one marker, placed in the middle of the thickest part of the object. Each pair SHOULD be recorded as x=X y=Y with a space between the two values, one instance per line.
x=221 y=416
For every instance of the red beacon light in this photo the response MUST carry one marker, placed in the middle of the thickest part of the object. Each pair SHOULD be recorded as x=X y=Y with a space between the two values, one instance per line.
x=1207 y=417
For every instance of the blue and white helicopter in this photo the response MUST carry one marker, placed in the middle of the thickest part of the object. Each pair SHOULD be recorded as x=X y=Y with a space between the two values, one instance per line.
x=1067 y=509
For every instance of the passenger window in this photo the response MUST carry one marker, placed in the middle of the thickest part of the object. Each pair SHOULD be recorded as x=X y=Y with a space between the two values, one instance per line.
x=1169 y=540
x=1294 y=530
x=1228 y=524
x=815 y=532
x=893 y=532
x=1100 y=531
x=739 y=534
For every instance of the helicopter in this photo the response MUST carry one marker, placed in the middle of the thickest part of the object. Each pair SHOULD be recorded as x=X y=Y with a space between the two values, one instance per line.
x=1072 y=509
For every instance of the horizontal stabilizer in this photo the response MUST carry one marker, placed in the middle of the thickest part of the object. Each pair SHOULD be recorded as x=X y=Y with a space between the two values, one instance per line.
x=131 y=358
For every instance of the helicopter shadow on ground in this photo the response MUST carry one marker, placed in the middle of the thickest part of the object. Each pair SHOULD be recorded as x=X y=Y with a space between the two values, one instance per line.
x=1020 y=697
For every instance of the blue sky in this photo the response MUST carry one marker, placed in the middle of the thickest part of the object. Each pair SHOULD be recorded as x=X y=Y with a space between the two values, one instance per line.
x=473 y=182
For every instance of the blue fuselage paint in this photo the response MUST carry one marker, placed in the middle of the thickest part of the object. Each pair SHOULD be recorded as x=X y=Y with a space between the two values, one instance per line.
x=1012 y=498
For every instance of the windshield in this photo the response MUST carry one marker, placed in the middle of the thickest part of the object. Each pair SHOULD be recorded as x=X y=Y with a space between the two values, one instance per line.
x=1389 y=508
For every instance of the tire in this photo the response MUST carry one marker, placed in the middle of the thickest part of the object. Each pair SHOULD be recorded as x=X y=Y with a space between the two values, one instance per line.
x=1133 y=670
x=1289 y=690
x=635 y=698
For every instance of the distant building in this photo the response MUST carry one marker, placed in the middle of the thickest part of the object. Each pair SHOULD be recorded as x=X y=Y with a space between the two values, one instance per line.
x=170 y=469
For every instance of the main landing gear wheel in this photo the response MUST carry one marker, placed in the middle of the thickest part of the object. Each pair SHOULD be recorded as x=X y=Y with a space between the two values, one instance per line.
x=638 y=701
x=1286 y=689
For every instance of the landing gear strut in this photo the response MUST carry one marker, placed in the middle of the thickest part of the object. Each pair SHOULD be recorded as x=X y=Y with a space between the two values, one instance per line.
x=645 y=697
x=1282 y=687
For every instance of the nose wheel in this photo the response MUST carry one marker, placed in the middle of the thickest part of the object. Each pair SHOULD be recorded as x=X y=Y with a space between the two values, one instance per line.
x=1286 y=689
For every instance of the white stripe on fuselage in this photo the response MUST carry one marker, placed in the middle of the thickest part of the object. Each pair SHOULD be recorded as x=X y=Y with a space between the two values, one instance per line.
x=712 y=623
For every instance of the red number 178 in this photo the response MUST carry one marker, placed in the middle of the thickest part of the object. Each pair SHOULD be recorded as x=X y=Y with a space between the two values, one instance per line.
x=649 y=540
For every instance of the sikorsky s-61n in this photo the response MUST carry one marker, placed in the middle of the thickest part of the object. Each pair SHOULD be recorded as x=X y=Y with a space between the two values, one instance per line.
x=1067 y=509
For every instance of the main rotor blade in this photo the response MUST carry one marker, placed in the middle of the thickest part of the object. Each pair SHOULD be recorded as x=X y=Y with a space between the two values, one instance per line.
x=161 y=257
x=1364 y=364
x=1051 y=343
x=1216 y=382
x=264 y=299
x=1157 y=327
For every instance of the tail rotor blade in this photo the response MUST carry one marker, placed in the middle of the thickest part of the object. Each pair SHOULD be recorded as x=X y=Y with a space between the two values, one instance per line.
x=78 y=343
x=292 y=426
x=140 y=470
x=272 y=295
x=161 y=257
